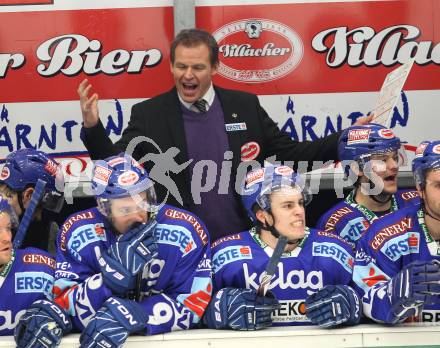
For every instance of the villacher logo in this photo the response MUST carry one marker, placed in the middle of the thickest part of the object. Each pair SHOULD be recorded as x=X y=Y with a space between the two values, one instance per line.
x=257 y=50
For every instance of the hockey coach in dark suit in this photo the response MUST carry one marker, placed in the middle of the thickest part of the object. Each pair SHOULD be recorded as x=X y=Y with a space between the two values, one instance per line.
x=204 y=133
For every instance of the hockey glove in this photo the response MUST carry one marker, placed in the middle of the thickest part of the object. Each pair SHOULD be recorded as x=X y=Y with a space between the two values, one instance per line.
x=416 y=285
x=115 y=276
x=240 y=309
x=334 y=305
x=43 y=325
x=112 y=324
x=135 y=248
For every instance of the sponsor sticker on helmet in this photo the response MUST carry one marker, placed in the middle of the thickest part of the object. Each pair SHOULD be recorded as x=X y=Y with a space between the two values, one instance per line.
x=115 y=161
x=421 y=149
x=358 y=136
x=128 y=178
x=51 y=167
x=102 y=175
x=254 y=177
x=283 y=170
x=386 y=133
x=5 y=173
x=250 y=151
x=436 y=149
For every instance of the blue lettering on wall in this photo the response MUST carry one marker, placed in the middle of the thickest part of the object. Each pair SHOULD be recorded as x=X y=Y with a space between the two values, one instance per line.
x=5 y=139
x=47 y=137
x=4 y=114
x=290 y=106
x=21 y=132
x=68 y=126
x=111 y=126
x=50 y=142
x=330 y=128
x=309 y=128
x=402 y=119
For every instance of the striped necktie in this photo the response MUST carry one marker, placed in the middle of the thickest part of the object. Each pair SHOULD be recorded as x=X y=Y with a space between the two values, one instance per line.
x=200 y=105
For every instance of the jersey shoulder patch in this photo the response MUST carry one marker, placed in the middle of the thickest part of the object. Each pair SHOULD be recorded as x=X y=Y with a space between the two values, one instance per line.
x=408 y=196
x=230 y=254
x=231 y=238
x=36 y=258
x=71 y=222
x=335 y=216
x=388 y=228
x=185 y=219
x=335 y=237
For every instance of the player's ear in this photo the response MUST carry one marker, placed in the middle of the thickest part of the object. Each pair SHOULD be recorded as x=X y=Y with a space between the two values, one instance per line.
x=264 y=217
x=26 y=196
x=260 y=216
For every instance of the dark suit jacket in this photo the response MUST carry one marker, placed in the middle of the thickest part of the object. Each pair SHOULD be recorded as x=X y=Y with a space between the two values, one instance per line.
x=160 y=119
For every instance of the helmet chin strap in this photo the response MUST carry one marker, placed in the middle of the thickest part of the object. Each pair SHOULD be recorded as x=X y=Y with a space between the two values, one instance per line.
x=381 y=198
x=20 y=203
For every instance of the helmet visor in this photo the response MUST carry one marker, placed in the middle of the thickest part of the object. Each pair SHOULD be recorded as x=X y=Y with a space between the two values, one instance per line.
x=379 y=160
x=286 y=182
x=142 y=202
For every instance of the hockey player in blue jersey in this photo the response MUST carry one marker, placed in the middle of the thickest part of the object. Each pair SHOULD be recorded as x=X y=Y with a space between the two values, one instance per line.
x=128 y=266
x=27 y=274
x=315 y=264
x=397 y=265
x=373 y=154
x=18 y=179
x=26 y=279
x=30 y=278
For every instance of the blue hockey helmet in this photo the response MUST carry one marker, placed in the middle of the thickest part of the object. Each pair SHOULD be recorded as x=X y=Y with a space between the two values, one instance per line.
x=260 y=183
x=6 y=208
x=119 y=177
x=358 y=143
x=427 y=158
x=23 y=168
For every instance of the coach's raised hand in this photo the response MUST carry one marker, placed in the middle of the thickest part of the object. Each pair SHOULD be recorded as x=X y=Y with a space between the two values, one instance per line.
x=89 y=105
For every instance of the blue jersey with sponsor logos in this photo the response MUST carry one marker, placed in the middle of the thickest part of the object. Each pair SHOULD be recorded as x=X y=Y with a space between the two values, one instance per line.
x=175 y=288
x=321 y=259
x=26 y=278
x=350 y=220
x=390 y=244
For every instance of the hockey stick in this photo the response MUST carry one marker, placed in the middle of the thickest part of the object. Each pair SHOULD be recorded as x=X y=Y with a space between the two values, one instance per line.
x=29 y=212
x=137 y=289
x=272 y=266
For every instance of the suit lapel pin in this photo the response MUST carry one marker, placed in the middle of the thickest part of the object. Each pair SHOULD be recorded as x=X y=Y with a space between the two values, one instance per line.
x=234 y=115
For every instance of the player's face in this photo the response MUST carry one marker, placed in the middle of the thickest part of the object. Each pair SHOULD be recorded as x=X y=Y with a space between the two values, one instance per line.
x=287 y=206
x=125 y=212
x=431 y=193
x=192 y=71
x=386 y=166
x=5 y=238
